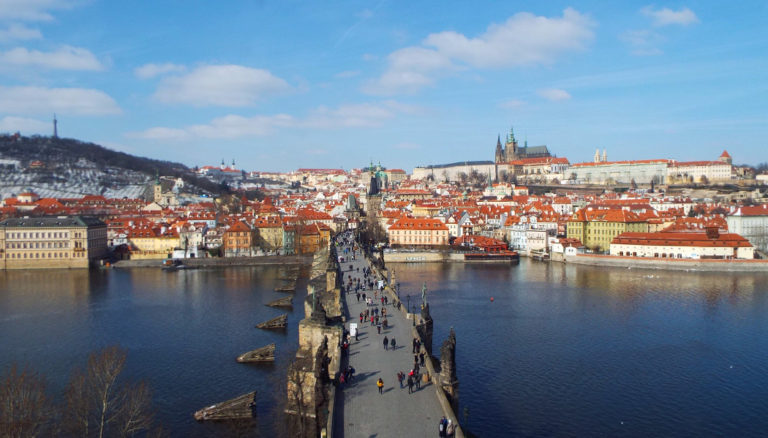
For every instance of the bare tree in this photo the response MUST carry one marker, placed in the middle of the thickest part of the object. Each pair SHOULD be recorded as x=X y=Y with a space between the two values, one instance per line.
x=25 y=410
x=97 y=405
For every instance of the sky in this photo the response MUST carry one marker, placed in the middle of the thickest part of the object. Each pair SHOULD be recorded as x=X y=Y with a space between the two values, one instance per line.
x=281 y=85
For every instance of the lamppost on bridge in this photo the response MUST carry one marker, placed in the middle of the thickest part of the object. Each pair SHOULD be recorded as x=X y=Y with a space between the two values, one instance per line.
x=409 y=303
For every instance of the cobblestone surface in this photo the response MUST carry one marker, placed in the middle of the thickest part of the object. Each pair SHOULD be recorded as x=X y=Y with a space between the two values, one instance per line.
x=363 y=412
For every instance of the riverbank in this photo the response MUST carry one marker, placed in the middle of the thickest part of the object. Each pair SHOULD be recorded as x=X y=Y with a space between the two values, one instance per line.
x=222 y=262
x=436 y=257
x=703 y=265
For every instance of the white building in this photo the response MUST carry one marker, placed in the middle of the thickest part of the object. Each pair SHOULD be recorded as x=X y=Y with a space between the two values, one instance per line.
x=639 y=171
x=699 y=171
x=686 y=245
x=752 y=223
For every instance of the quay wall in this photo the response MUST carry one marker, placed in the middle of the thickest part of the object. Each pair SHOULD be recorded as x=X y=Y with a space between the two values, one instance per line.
x=423 y=257
x=711 y=265
x=219 y=262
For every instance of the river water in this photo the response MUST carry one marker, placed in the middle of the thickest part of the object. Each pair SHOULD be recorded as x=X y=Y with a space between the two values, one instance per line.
x=575 y=351
x=182 y=330
x=562 y=350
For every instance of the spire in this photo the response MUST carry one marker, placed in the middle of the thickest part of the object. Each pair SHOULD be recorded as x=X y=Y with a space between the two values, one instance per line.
x=55 y=127
x=498 y=141
x=511 y=134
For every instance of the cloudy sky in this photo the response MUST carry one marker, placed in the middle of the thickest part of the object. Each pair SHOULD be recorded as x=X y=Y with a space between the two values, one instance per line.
x=277 y=85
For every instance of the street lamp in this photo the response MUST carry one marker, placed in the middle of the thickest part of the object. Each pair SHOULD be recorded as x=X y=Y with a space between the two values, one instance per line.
x=409 y=304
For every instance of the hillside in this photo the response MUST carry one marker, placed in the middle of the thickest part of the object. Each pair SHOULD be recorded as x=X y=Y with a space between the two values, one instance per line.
x=63 y=167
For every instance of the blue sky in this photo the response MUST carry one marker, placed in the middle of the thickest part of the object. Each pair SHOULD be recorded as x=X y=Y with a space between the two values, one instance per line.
x=278 y=85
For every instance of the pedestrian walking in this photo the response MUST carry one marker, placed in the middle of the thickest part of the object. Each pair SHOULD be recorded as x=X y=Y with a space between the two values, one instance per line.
x=393 y=343
x=358 y=297
x=417 y=379
x=400 y=378
x=380 y=385
x=441 y=427
x=421 y=359
x=386 y=343
x=450 y=429
x=410 y=384
x=414 y=345
x=372 y=319
x=378 y=327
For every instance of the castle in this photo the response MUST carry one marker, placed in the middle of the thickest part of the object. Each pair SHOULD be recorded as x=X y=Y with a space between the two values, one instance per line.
x=511 y=151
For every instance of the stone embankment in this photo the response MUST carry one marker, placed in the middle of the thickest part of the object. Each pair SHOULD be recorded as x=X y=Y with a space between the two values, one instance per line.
x=213 y=262
x=310 y=394
x=704 y=265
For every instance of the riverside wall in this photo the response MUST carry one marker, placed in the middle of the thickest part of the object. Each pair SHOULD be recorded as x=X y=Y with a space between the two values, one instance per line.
x=318 y=358
x=219 y=262
x=423 y=257
x=704 y=265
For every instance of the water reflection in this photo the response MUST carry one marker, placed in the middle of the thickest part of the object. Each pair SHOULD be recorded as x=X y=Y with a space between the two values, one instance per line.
x=182 y=330
x=568 y=350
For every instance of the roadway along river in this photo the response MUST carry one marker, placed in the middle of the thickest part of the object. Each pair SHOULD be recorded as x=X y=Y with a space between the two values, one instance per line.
x=561 y=351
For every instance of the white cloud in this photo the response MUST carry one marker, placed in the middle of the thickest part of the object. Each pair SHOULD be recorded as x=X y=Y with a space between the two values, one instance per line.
x=666 y=16
x=65 y=58
x=554 y=94
x=347 y=116
x=73 y=101
x=643 y=42
x=523 y=40
x=19 y=32
x=24 y=125
x=31 y=10
x=512 y=103
x=220 y=85
x=148 y=71
x=228 y=127
x=410 y=69
x=235 y=126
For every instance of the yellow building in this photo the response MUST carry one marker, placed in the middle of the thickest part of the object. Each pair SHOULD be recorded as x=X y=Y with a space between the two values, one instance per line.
x=596 y=228
x=269 y=232
x=148 y=243
x=51 y=242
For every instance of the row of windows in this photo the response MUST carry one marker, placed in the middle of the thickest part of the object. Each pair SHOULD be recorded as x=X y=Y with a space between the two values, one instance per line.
x=50 y=255
x=43 y=235
x=37 y=245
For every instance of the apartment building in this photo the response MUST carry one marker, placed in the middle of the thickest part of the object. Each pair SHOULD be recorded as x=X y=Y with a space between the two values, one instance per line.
x=51 y=242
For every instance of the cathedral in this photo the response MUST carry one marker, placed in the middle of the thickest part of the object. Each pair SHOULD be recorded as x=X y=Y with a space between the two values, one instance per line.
x=511 y=151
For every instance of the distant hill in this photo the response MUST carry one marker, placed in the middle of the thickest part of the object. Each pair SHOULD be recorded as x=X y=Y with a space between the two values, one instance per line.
x=53 y=162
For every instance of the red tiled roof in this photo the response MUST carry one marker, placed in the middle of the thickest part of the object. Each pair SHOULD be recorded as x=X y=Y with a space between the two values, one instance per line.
x=697 y=239
x=419 y=224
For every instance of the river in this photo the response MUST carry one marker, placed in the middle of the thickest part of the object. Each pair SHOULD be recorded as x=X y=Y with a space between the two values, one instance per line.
x=575 y=351
x=561 y=351
x=182 y=330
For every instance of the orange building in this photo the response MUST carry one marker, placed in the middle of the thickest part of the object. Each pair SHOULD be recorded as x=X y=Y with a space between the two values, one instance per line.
x=424 y=232
x=238 y=240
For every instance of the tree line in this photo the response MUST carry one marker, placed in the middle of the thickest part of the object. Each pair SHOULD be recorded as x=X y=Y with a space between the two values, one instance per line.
x=96 y=402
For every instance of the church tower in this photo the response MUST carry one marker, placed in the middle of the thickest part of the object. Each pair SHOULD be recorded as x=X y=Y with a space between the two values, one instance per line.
x=511 y=146
x=55 y=127
x=499 y=151
x=597 y=155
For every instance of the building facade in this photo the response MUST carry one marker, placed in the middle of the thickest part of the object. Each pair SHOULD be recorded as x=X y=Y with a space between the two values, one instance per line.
x=52 y=242
x=596 y=228
x=422 y=232
x=752 y=224
x=687 y=245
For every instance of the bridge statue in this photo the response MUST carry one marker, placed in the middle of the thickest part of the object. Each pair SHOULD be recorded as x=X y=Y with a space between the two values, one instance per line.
x=424 y=295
